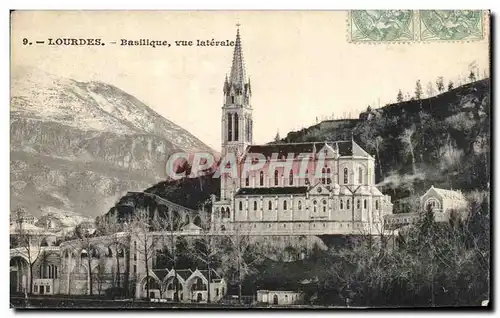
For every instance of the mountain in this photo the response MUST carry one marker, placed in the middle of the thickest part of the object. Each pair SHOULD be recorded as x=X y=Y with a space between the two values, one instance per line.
x=448 y=136
x=77 y=147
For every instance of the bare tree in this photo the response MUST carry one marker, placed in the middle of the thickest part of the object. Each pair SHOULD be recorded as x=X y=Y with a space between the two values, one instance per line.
x=110 y=226
x=243 y=253
x=171 y=223
x=141 y=225
x=30 y=242
x=208 y=247
x=90 y=248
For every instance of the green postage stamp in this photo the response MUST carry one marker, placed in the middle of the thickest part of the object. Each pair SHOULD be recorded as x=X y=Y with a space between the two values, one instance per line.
x=371 y=26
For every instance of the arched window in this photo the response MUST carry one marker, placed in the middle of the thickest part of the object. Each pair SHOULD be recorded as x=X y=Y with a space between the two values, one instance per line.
x=376 y=204
x=364 y=204
x=358 y=204
x=228 y=213
x=255 y=205
x=299 y=205
x=230 y=126
x=346 y=176
x=314 y=205
x=284 y=205
x=232 y=99
x=329 y=176
x=270 y=205
x=307 y=177
x=348 y=204
x=341 y=204
x=236 y=127
x=323 y=177
x=261 y=178
x=276 y=181
x=432 y=204
x=241 y=205
x=223 y=212
x=360 y=175
x=247 y=181
x=290 y=177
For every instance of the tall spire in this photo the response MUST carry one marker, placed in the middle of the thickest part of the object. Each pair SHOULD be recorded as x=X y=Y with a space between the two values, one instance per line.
x=238 y=76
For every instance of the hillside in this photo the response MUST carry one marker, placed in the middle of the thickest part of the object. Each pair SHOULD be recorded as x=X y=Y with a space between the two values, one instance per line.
x=449 y=134
x=78 y=147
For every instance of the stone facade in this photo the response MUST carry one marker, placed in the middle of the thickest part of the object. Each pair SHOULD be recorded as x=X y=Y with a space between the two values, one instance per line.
x=280 y=297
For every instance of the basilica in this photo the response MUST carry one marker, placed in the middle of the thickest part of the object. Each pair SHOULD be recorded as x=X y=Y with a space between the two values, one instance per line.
x=300 y=188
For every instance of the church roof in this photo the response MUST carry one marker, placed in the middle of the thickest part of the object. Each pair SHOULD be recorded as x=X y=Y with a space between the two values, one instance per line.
x=343 y=148
x=238 y=75
x=271 y=191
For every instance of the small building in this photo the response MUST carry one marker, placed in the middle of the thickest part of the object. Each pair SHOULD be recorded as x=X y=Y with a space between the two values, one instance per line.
x=442 y=200
x=192 y=285
x=280 y=297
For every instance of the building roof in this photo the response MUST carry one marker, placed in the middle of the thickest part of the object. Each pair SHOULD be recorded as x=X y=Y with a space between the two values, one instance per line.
x=237 y=75
x=184 y=273
x=28 y=229
x=213 y=276
x=271 y=191
x=448 y=194
x=160 y=273
x=342 y=148
x=191 y=227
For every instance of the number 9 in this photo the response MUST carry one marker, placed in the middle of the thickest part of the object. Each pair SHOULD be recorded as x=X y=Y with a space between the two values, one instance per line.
x=25 y=41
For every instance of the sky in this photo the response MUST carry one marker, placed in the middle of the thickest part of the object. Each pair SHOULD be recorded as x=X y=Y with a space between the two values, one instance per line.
x=301 y=65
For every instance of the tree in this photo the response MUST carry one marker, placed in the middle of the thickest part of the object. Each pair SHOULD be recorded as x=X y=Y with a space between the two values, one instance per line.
x=172 y=222
x=440 y=84
x=110 y=226
x=29 y=241
x=472 y=76
x=208 y=247
x=430 y=90
x=399 y=98
x=243 y=255
x=90 y=248
x=418 y=90
x=277 y=138
x=450 y=85
x=406 y=138
x=141 y=226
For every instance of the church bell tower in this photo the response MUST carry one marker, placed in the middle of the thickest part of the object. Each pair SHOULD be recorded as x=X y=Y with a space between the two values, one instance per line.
x=236 y=121
x=237 y=110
